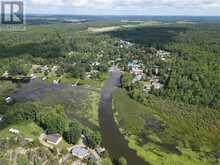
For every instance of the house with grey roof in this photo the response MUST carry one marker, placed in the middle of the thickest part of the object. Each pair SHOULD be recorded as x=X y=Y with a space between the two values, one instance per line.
x=80 y=152
x=54 y=139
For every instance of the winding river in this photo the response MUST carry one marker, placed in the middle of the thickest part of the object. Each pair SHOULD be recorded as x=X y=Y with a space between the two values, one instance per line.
x=113 y=140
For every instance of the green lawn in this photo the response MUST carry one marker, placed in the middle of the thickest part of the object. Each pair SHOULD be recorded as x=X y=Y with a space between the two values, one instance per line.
x=27 y=129
x=149 y=131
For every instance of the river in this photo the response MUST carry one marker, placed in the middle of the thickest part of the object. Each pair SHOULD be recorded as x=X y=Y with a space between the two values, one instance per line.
x=113 y=140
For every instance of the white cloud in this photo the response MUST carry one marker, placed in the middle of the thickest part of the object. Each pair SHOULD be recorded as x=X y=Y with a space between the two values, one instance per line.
x=127 y=7
x=130 y=3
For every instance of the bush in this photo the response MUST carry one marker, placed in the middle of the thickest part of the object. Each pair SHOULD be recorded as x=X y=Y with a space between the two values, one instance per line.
x=122 y=161
x=56 y=123
x=22 y=160
x=93 y=139
x=72 y=136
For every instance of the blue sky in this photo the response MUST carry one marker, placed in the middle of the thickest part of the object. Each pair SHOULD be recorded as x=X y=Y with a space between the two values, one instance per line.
x=125 y=7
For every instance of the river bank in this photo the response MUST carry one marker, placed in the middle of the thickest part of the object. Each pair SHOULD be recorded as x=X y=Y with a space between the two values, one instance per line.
x=113 y=140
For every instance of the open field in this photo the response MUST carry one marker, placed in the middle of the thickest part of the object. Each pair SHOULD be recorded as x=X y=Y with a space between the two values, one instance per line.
x=115 y=28
x=149 y=132
x=27 y=129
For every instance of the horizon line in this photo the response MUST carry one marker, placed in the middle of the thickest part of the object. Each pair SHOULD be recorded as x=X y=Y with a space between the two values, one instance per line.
x=62 y=14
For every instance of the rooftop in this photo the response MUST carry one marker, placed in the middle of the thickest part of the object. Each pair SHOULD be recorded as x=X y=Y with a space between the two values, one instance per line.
x=53 y=138
x=80 y=152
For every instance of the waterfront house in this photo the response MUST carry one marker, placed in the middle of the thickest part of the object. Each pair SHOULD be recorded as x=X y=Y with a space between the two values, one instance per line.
x=36 y=68
x=5 y=75
x=80 y=152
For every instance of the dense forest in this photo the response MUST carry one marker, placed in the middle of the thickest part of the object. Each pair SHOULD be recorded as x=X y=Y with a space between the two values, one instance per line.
x=194 y=77
x=182 y=118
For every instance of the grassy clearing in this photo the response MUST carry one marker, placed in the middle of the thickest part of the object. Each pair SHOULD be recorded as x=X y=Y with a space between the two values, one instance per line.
x=118 y=27
x=90 y=110
x=161 y=137
x=27 y=129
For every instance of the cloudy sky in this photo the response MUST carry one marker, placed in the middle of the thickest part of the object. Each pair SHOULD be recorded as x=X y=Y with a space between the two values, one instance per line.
x=125 y=7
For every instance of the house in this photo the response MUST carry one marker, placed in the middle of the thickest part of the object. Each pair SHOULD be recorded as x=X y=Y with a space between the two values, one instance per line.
x=56 y=81
x=163 y=54
x=100 y=150
x=137 y=78
x=55 y=68
x=6 y=74
x=147 y=87
x=137 y=71
x=8 y=100
x=157 y=85
x=44 y=69
x=33 y=76
x=14 y=131
x=96 y=63
x=80 y=152
x=36 y=68
x=130 y=64
x=44 y=78
x=122 y=42
x=54 y=139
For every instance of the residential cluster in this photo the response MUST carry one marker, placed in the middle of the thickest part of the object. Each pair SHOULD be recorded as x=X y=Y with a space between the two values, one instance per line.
x=138 y=70
x=81 y=151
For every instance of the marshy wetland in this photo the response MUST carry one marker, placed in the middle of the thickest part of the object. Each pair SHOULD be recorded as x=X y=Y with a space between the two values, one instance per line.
x=80 y=103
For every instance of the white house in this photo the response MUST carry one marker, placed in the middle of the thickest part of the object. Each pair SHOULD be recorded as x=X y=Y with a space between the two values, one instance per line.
x=6 y=74
x=157 y=85
x=44 y=69
x=147 y=87
x=100 y=150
